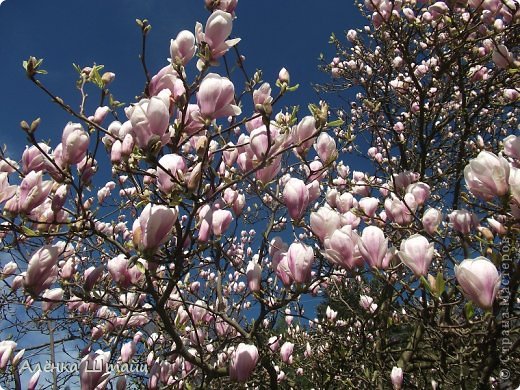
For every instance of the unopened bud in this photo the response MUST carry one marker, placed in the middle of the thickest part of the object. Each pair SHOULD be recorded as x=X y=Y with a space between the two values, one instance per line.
x=25 y=126
x=486 y=233
x=34 y=125
x=283 y=76
x=108 y=77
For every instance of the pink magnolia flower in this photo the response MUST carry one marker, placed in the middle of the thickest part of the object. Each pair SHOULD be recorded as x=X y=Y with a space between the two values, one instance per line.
x=150 y=118
x=170 y=170
x=215 y=98
x=496 y=226
x=373 y=247
x=154 y=225
x=18 y=281
x=331 y=314
x=218 y=28
x=230 y=154
x=8 y=165
x=205 y=217
x=402 y=180
x=267 y=174
x=93 y=370
x=273 y=343
x=182 y=48
x=245 y=160
x=100 y=114
x=286 y=352
x=326 y=148
x=34 y=160
x=127 y=351
x=438 y=9
x=315 y=171
x=324 y=222
x=409 y=14
x=502 y=57
x=8 y=269
x=314 y=190
x=220 y=221
x=303 y=134
x=42 y=270
x=463 y=221
x=33 y=191
x=243 y=362
x=479 y=280
x=254 y=275
x=487 y=175
x=282 y=269
x=300 y=258
x=262 y=96
x=166 y=78
x=420 y=191
x=115 y=152
x=511 y=95
x=367 y=303
x=230 y=196
x=401 y=211
x=51 y=298
x=74 y=143
x=6 y=349
x=239 y=204
x=397 y=377
x=417 y=254
x=34 y=380
x=296 y=197
x=431 y=220
x=512 y=146
x=91 y=276
x=87 y=168
x=259 y=141
x=369 y=206
x=121 y=273
x=6 y=191
x=191 y=120
x=345 y=202
x=127 y=146
x=340 y=248
x=224 y=5
x=155 y=376
x=276 y=246
x=514 y=183
x=52 y=167
x=283 y=76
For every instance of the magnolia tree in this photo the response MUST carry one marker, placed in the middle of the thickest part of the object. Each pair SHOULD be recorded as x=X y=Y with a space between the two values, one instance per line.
x=434 y=92
x=190 y=261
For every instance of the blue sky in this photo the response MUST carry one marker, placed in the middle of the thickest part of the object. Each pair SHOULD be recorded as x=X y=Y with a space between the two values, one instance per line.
x=274 y=34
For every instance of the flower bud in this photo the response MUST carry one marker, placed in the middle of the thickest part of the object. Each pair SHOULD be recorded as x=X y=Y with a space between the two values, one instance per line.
x=479 y=280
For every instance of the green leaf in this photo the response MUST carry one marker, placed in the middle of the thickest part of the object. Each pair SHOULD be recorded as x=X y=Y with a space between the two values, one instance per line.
x=32 y=65
x=440 y=283
x=78 y=69
x=293 y=88
x=336 y=123
x=95 y=76
x=469 y=310
x=425 y=284
x=140 y=267
x=28 y=232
